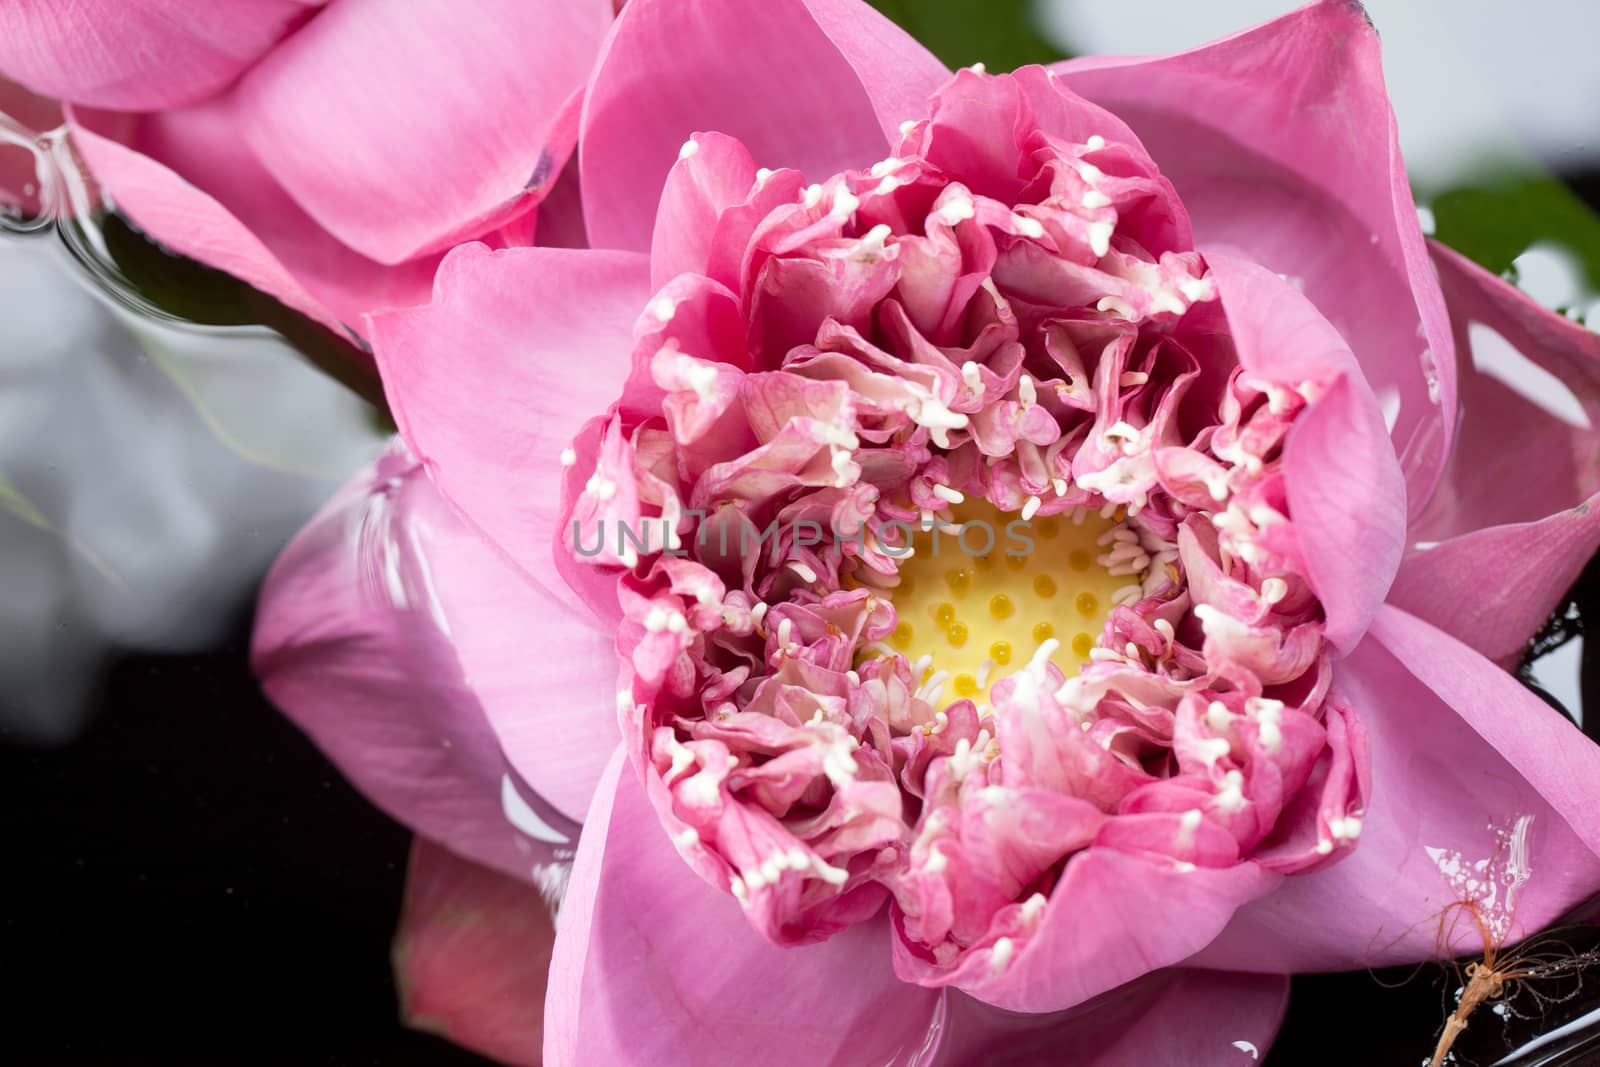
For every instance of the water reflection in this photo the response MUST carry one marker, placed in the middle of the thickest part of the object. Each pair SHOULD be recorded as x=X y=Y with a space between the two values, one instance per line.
x=150 y=469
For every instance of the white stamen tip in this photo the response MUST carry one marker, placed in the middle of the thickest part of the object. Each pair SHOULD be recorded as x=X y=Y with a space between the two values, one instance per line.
x=569 y=457
x=1100 y=237
x=1028 y=227
x=690 y=147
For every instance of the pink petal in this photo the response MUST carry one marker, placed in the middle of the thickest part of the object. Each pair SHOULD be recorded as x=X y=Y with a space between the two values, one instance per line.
x=1346 y=494
x=402 y=128
x=138 y=55
x=472 y=956
x=347 y=644
x=20 y=184
x=715 y=176
x=1508 y=545
x=1504 y=436
x=185 y=178
x=652 y=965
x=545 y=674
x=491 y=382
x=1458 y=746
x=1282 y=143
x=1108 y=921
x=817 y=85
x=1492 y=589
x=1172 y=1016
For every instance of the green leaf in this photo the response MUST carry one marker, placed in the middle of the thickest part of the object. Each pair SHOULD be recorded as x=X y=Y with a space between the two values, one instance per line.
x=1495 y=220
x=1001 y=34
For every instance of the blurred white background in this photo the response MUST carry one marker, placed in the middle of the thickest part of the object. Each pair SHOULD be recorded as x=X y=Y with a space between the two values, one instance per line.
x=1471 y=80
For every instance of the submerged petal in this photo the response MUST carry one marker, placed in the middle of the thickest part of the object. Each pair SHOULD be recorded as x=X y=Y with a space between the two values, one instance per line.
x=472 y=955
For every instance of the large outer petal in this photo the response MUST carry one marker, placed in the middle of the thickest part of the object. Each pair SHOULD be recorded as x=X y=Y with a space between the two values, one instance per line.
x=818 y=85
x=654 y=966
x=184 y=177
x=472 y=956
x=1517 y=515
x=401 y=127
x=1282 y=143
x=544 y=674
x=138 y=55
x=1169 y=1017
x=349 y=644
x=1346 y=493
x=1457 y=745
x=1114 y=916
x=1504 y=437
x=1494 y=588
x=492 y=381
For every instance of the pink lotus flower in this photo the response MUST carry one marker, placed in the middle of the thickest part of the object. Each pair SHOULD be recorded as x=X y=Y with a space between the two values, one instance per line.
x=293 y=143
x=1226 y=721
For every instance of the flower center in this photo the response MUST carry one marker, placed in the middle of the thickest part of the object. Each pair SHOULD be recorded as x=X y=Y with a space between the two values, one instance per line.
x=981 y=592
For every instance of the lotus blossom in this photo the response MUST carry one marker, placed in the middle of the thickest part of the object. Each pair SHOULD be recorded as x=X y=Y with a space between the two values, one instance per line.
x=290 y=142
x=1220 y=697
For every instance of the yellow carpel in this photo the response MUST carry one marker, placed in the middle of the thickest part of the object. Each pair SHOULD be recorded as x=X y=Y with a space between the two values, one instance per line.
x=981 y=622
